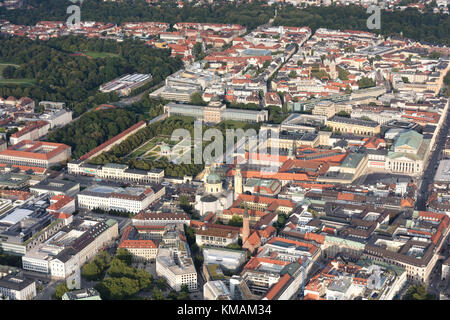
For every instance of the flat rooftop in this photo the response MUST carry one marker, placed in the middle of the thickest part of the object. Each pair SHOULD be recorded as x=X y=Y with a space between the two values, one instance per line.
x=55 y=185
x=443 y=172
x=16 y=216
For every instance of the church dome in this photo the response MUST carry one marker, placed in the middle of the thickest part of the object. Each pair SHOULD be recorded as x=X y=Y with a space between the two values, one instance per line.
x=213 y=178
x=215 y=98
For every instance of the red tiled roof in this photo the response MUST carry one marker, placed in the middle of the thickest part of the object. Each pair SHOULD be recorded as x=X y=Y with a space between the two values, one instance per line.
x=138 y=244
x=196 y=224
x=407 y=203
x=267 y=232
x=311 y=296
x=254 y=239
x=23 y=195
x=427 y=215
x=311 y=247
x=271 y=202
x=278 y=286
x=217 y=231
x=255 y=262
x=150 y=227
x=329 y=230
x=346 y=196
x=33 y=126
x=61 y=201
x=61 y=215
x=26 y=168
x=315 y=237
x=240 y=212
x=134 y=244
x=209 y=217
x=28 y=153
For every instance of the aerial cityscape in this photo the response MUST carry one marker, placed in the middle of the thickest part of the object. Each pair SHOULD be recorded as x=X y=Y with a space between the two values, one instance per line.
x=224 y=150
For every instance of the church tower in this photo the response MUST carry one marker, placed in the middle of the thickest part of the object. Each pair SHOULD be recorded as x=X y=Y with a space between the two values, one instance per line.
x=291 y=151
x=237 y=181
x=245 y=225
x=206 y=172
x=333 y=71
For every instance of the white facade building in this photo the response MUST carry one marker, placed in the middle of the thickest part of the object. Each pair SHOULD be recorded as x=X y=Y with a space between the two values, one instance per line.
x=64 y=254
x=116 y=171
x=130 y=199
x=177 y=268
x=17 y=288
x=216 y=290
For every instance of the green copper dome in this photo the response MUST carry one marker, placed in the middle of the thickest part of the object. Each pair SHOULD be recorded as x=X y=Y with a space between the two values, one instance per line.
x=213 y=178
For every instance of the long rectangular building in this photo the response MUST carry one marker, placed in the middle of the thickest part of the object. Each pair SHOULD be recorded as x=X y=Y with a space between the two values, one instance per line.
x=215 y=114
x=66 y=251
x=131 y=199
x=124 y=85
x=30 y=132
x=355 y=126
x=113 y=141
x=116 y=171
x=36 y=154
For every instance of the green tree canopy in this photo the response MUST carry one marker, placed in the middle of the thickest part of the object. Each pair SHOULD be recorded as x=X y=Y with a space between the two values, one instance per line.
x=197 y=99
x=418 y=292
x=8 y=72
x=366 y=82
x=161 y=283
x=343 y=114
x=117 y=288
x=60 y=290
x=235 y=221
x=157 y=294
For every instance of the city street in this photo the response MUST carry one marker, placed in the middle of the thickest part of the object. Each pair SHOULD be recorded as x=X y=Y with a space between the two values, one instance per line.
x=47 y=292
x=435 y=283
x=430 y=171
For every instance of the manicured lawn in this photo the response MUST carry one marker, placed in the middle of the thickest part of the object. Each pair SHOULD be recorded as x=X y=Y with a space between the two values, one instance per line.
x=18 y=81
x=136 y=153
x=148 y=146
x=3 y=65
x=143 y=149
x=154 y=145
x=150 y=158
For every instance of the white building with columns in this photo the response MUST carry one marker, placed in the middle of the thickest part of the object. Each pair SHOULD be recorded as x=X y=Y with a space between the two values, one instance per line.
x=408 y=153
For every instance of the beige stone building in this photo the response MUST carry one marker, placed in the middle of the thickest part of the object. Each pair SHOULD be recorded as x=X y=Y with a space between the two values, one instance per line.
x=141 y=248
x=324 y=108
x=408 y=153
x=354 y=126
